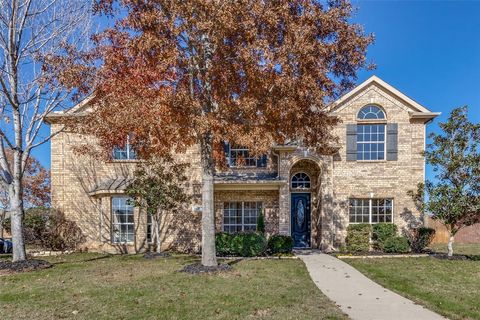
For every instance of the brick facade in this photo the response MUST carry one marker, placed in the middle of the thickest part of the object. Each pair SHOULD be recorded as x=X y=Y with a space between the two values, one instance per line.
x=333 y=181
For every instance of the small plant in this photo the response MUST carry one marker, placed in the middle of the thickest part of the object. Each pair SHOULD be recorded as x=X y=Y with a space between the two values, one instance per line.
x=358 y=237
x=396 y=245
x=280 y=244
x=261 y=222
x=420 y=238
x=381 y=232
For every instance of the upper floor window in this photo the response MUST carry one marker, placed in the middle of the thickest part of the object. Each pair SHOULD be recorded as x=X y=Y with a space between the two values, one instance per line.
x=238 y=156
x=371 y=112
x=125 y=153
x=371 y=142
x=300 y=181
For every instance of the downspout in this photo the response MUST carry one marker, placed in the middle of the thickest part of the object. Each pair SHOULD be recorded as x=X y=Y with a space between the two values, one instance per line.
x=424 y=162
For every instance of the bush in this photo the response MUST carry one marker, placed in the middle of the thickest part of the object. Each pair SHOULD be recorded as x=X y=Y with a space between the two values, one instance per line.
x=280 y=244
x=249 y=244
x=50 y=229
x=381 y=232
x=358 y=238
x=420 y=238
x=223 y=243
x=396 y=245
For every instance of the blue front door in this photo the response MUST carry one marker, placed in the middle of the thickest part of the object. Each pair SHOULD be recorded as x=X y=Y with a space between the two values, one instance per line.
x=300 y=219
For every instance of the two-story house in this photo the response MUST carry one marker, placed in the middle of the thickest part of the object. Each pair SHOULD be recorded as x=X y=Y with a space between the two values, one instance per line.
x=309 y=196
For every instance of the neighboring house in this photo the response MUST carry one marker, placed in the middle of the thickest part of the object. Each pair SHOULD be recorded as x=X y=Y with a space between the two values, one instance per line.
x=309 y=196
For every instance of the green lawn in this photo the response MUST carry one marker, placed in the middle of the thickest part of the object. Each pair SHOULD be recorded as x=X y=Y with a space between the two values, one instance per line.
x=451 y=288
x=467 y=248
x=93 y=286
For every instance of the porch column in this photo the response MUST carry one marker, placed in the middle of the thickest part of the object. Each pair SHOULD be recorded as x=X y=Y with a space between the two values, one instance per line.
x=284 y=194
x=284 y=206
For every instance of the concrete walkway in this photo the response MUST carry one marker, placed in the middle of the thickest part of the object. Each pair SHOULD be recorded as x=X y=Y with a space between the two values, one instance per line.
x=358 y=296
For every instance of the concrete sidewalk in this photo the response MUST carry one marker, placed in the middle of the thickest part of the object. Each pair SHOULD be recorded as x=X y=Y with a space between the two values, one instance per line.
x=358 y=296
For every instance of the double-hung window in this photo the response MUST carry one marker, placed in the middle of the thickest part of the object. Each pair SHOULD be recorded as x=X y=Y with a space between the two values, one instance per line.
x=241 y=216
x=371 y=142
x=123 y=230
x=124 y=153
x=370 y=210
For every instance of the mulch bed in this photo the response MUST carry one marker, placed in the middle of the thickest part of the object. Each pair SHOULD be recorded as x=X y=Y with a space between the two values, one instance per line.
x=198 y=268
x=7 y=266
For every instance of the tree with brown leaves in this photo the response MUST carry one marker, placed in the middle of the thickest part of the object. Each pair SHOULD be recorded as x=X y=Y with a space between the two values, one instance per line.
x=175 y=74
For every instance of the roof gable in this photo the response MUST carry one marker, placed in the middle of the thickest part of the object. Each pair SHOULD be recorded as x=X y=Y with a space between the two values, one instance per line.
x=414 y=106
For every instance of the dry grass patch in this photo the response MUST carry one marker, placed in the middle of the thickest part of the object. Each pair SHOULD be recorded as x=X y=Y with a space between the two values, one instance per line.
x=92 y=286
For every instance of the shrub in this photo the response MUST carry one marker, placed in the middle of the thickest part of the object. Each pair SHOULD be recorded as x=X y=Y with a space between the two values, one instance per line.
x=420 y=238
x=381 y=232
x=50 y=229
x=261 y=222
x=358 y=238
x=396 y=245
x=223 y=243
x=280 y=244
x=249 y=244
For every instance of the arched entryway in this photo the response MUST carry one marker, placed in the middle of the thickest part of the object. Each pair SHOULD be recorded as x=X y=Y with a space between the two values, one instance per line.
x=304 y=185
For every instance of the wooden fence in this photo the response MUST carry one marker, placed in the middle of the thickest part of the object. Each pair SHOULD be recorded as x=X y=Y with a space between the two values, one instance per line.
x=466 y=235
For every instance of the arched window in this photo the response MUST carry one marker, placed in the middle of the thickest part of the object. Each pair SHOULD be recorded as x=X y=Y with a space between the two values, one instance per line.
x=300 y=181
x=371 y=112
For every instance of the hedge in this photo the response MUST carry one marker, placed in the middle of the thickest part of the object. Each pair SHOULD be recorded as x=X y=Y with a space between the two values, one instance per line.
x=358 y=237
x=381 y=232
x=279 y=244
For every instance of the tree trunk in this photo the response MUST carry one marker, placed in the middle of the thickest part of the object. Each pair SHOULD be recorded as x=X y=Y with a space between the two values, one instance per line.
x=157 y=234
x=16 y=217
x=2 y=219
x=208 y=216
x=450 y=245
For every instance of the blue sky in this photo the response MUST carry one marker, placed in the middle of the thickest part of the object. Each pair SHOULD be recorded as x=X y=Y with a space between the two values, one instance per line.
x=429 y=50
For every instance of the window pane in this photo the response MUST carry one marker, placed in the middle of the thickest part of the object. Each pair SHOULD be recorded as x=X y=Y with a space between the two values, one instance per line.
x=381 y=210
x=241 y=216
x=240 y=157
x=122 y=220
x=371 y=142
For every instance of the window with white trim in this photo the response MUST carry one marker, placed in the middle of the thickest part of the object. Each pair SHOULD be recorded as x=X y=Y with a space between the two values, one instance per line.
x=123 y=226
x=124 y=153
x=371 y=142
x=371 y=112
x=370 y=210
x=241 y=216
x=240 y=157
x=301 y=180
